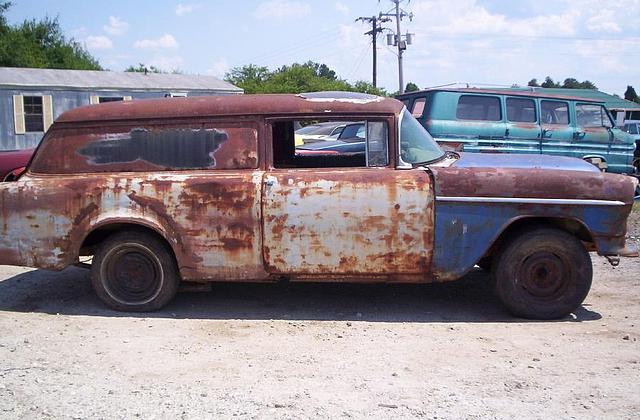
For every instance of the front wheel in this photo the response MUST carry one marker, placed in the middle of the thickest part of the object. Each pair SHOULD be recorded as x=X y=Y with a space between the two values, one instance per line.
x=134 y=271
x=543 y=273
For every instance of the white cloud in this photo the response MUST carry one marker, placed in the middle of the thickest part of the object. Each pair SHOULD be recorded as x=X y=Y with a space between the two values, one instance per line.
x=219 y=68
x=186 y=8
x=280 y=9
x=166 y=62
x=341 y=7
x=116 y=26
x=99 y=42
x=603 y=22
x=165 y=41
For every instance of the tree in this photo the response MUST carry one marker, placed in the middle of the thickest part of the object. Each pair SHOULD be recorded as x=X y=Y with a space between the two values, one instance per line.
x=251 y=78
x=367 y=87
x=143 y=69
x=571 y=83
x=533 y=83
x=549 y=83
x=631 y=95
x=411 y=87
x=41 y=44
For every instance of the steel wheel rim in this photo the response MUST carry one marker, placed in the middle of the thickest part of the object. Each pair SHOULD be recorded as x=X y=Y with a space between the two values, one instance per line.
x=544 y=275
x=132 y=274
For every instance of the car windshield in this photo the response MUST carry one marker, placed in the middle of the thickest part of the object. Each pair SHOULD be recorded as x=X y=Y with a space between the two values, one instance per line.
x=416 y=144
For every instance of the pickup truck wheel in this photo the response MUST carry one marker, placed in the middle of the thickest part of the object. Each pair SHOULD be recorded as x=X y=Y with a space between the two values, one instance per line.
x=543 y=273
x=134 y=271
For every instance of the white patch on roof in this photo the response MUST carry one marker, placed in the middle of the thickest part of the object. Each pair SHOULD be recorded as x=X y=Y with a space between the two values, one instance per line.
x=338 y=96
x=102 y=80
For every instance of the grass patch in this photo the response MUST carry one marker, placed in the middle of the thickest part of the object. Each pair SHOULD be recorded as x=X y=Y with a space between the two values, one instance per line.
x=636 y=207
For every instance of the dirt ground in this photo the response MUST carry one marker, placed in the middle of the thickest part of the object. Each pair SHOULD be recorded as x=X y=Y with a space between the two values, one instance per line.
x=299 y=351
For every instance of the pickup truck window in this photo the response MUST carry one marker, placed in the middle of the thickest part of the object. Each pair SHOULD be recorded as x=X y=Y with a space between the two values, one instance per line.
x=416 y=144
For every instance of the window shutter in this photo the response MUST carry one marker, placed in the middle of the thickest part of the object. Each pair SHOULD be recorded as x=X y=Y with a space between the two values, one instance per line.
x=47 y=111
x=18 y=114
x=94 y=99
x=126 y=98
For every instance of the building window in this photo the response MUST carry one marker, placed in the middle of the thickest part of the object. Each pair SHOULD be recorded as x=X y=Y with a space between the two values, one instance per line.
x=103 y=99
x=33 y=115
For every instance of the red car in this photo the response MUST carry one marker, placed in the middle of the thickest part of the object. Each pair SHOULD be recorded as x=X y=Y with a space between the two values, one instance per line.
x=13 y=163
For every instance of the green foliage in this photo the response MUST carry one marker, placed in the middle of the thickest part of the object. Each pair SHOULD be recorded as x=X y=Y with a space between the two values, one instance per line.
x=411 y=87
x=631 y=95
x=41 y=44
x=143 y=69
x=549 y=83
x=569 y=83
x=296 y=78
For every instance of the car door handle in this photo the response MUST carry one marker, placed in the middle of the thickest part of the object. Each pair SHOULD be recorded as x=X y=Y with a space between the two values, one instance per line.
x=506 y=132
x=579 y=134
x=269 y=182
x=546 y=133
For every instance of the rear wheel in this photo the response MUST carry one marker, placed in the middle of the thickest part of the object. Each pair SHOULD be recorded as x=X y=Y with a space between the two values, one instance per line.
x=543 y=273
x=134 y=271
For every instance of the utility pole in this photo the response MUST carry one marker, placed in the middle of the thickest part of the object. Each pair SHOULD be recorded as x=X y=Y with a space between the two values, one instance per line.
x=397 y=38
x=375 y=30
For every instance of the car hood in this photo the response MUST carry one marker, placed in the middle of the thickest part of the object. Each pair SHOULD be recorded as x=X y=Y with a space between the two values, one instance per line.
x=524 y=161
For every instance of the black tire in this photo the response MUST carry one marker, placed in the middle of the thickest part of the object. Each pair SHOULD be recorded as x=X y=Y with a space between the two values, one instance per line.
x=485 y=263
x=134 y=271
x=543 y=273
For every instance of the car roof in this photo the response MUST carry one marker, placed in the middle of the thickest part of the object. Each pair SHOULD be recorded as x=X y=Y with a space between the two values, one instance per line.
x=506 y=91
x=228 y=105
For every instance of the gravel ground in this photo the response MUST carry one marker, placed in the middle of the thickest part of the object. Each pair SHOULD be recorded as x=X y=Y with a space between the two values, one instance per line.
x=298 y=351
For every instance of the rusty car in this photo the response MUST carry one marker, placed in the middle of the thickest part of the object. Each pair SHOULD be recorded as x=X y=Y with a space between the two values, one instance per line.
x=12 y=163
x=206 y=189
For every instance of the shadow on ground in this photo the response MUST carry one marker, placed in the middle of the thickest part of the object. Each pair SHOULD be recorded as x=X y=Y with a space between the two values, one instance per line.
x=467 y=300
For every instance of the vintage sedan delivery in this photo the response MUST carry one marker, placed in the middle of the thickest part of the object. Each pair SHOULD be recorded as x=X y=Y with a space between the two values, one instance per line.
x=213 y=189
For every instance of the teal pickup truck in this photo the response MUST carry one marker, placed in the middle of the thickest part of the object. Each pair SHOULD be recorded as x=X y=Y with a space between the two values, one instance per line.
x=519 y=121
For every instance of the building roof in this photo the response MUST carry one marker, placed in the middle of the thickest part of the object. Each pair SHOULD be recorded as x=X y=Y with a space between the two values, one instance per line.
x=610 y=101
x=106 y=80
x=320 y=103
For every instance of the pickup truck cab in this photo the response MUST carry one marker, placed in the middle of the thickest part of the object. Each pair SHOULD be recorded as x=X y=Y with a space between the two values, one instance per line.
x=214 y=189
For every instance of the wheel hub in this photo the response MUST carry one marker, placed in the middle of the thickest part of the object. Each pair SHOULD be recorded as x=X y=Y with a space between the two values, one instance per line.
x=544 y=275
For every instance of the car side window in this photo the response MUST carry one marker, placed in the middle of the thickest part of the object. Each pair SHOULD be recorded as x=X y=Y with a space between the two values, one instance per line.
x=147 y=147
x=355 y=144
x=478 y=108
x=521 y=110
x=633 y=129
x=588 y=115
x=418 y=107
x=554 y=112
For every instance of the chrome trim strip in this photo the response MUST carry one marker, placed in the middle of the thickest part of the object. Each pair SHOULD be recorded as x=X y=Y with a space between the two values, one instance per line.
x=516 y=200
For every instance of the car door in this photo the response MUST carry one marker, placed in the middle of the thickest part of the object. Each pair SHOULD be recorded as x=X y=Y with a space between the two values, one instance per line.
x=523 y=132
x=479 y=124
x=366 y=219
x=593 y=132
x=557 y=129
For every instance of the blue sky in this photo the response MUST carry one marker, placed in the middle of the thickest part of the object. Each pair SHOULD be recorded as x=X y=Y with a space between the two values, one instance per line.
x=476 y=41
